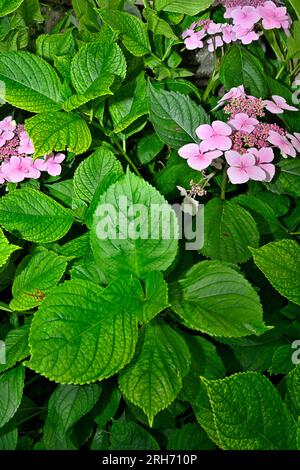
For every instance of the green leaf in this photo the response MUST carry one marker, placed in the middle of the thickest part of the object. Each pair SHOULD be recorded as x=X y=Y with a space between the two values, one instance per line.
x=144 y=241
x=157 y=25
x=35 y=275
x=296 y=6
x=127 y=435
x=50 y=46
x=148 y=148
x=292 y=396
x=133 y=30
x=217 y=300
x=175 y=117
x=129 y=103
x=6 y=249
x=32 y=215
x=262 y=212
x=31 y=11
x=58 y=131
x=289 y=177
x=281 y=361
x=154 y=377
x=156 y=296
x=240 y=67
x=94 y=69
x=228 y=232
x=30 y=82
x=8 y=6
x=11 y=390
x=249 y=414
x=108 y=404
x=190 y=437
x=69 y=347
x=16 y=347
x=280 y=263
x=191 y=8
x=93 y=174
x=66 y=406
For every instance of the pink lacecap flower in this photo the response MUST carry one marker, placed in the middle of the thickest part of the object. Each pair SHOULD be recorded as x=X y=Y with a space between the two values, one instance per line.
x=273 y=16
x=229 y=34
x=246 y=16
x=193 y=39
x=278 y=105
x=214 y=28
x=246 y=36
x=295 y=140
x=264 y=157
x=214 y=43
x=242 y=122
x=242 y=168
x=2 y=179
x=8 y=124
x=51 y=164
x=282 y=143
x=215 y=137
x=235 y=92
x=26 y=144
x=196 y=158
x=19 y=168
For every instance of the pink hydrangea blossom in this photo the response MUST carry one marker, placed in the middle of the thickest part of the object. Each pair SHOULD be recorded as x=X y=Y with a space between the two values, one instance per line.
x=196 y=158
x=8 y=124
x=215 y=137
x=193 y=38
x=245 y=35
x=235 y=92
x=214 y=28
x=274 y=17
x=242 y=168
x=229 y=34
x=214 y=43
x=295 y=140
x=51 y=164
x=264 y=157
x=242 y=122
x=19 y=168
x=278 y=105
x=246 y=16
x=282 y=143
x=26 y=144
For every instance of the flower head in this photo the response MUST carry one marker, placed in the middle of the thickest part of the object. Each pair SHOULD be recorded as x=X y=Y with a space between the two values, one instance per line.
x=18 y=168
x=246 y=16
x=278 y=105
x=264 y=157
x=274 y=17
x=51 y=164
x=242 y=168
x=215 y=137
x=242 y=122
x=196 y=157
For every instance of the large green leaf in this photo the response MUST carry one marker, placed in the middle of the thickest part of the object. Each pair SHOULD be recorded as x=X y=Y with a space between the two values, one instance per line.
x=93 y=174
x=157 y=25
x=240 y=67
x=35 y=275
x=190 y=437
x=94 y=69
x=190 y=7
x=228 y=232
x=127 y=435
x=134 y=230
x=129 y=103
x=58 y=131
x=261 y=211
x=249 y=414
x=16 y=347
x=11 y=390
x=175 y=117
x=289 y=177
x=32 y=215
x=156 y=296
x=50 y=46
x=83 y=333
x=66 y=406
x=6 y=248
x=292 y=396
x=280 y=263
x=154 y=377
x=217 y=300
x=30 y=82
x=133 y=30
x=8 y=6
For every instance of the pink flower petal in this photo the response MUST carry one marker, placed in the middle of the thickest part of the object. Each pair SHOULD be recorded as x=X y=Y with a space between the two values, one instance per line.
x=256 y=173
x=269 y=169
x=189 y=151
x=221 y=128
x=237 y=175
x=204 y=131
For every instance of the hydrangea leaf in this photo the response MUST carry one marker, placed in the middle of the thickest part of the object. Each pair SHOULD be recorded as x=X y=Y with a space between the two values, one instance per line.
x=6 y=248
x=11 y=390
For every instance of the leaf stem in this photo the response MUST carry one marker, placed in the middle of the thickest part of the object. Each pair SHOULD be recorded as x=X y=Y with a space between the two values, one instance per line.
x=224 y=184
x=210 y=86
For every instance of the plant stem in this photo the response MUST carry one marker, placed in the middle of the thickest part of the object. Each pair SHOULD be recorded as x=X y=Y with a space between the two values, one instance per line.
x=224 y=184
x=280 y=72
x=210 y=86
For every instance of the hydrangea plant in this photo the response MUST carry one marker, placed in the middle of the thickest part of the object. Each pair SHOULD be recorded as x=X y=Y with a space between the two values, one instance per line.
x=150 y=219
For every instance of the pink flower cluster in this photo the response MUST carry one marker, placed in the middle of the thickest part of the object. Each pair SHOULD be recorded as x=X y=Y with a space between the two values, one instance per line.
x=247 y=20
x=246 y=142
x=16 y=164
